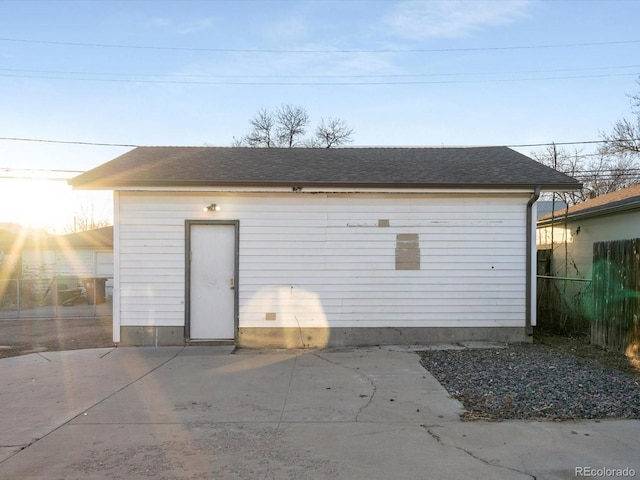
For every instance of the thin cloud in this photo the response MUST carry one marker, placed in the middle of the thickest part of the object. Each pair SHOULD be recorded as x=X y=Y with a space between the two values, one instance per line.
x=452 y=19
x=184 y=28
x=287 y=29
x=195 y=27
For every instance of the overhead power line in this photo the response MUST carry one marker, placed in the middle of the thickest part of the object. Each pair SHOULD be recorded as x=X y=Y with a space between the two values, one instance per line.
x=55 y=174
x=314 y=51
x=583 y=142
x=132 y=145
x=31 y=177
x=29 y=72
x=319 y=83
x=69 y=142
x=48 y=170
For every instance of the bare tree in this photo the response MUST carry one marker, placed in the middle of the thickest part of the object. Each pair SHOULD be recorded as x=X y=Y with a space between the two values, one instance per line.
x=291 y=125
x=600 y=173
x=624 y=139
x=333 y=132
x=85 y=219
x=263 y=132
x=287 y=126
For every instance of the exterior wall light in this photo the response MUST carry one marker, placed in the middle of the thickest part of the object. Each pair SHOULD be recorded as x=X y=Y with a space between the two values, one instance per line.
x=214 y=207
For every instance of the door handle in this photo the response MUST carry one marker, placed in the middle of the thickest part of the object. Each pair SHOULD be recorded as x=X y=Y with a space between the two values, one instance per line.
x=232 y=283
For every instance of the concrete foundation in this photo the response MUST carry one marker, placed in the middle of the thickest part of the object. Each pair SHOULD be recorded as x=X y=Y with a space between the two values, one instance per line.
x=358 y=337
x=325 y=337
x=151 y=336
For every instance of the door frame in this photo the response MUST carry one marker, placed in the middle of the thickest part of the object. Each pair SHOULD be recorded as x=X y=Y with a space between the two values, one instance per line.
x=187 y=280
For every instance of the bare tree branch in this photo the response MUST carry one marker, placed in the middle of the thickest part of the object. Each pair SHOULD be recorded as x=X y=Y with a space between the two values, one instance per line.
x=291 y=124
x=263 y=131
x=86 y=219
x=287 y=126
x=624 y=139
x=334 y=132
x=599 y=174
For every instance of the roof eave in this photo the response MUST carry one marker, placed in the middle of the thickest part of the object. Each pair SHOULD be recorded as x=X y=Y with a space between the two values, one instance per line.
x=558 y=187
x=589 y=213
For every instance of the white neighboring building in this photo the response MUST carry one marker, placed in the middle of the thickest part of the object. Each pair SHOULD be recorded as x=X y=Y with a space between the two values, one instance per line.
x=570 y=234
x=323 y=247
x=73 y=258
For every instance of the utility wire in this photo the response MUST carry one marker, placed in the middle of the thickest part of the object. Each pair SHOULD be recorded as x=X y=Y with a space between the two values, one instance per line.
x=48 y=170
x=7 y=173
x=26 y=177
x=69 y=142
x=389 y=75
x=131 y=145
x=315 y=51
x=317 y=84
x=17 y=173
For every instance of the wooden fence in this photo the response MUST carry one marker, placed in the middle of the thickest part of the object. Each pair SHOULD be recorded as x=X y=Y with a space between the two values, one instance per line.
x=563 y=304
x=616 y=295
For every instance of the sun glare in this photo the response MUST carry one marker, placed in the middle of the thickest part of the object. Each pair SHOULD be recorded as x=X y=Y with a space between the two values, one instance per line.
x=47 y=204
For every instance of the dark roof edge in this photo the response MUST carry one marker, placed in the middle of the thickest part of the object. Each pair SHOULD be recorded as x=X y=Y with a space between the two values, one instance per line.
x=99 y=185
x=590 y=212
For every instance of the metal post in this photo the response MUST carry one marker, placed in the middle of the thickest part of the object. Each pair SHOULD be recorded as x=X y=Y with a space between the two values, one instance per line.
x=18 y=297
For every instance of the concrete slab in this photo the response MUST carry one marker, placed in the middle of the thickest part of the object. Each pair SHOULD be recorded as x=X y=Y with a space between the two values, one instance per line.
x=547 y=449
x=321 y=391
x=365 y=451
x=197 y=387
x=40 y=392
x=7 y=451
x=360 y=451
x=205 y=412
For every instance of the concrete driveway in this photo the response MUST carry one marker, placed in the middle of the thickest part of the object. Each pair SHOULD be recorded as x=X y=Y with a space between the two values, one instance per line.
x=208 y=413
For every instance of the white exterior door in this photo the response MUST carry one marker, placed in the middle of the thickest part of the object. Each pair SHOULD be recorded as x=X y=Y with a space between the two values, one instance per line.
x=212 y=282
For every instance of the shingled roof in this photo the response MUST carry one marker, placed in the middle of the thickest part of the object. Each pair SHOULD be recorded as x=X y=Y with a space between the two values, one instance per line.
x=620 y=200
x=467 y=167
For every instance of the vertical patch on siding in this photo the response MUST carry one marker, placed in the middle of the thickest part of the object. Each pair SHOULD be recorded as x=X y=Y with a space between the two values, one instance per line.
x=270 y=316
x=383 y=223
x=407 y=251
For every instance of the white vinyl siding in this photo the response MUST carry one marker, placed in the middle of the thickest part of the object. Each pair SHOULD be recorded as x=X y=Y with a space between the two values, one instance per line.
x=322 y=260
x=75 y=263
x=104 y=264
x=579 y=247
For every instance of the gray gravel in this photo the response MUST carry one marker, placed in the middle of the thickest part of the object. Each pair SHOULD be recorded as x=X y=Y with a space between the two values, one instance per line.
x=532 y=382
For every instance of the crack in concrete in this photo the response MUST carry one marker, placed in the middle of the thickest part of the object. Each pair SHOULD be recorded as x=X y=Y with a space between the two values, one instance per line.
x=363 y=375
x=21 y=446
x=42 y=356
x=69 y=420
x=111 y=350
x=286 y=398
x=438 y=439
x=375 y=389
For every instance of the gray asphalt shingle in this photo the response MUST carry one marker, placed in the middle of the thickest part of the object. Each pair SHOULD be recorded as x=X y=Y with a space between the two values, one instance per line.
x=446 y=167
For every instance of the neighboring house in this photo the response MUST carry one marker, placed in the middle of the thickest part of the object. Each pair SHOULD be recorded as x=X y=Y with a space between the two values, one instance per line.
x=317 y=247
x=570 y=234
x=70 y=260
x=9 y=260
x=80 y=255
x=13 y=239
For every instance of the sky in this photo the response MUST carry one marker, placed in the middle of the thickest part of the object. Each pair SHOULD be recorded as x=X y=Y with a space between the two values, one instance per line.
x=193 y=72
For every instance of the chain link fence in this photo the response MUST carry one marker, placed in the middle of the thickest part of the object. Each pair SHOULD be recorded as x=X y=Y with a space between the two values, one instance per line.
x=55 y=297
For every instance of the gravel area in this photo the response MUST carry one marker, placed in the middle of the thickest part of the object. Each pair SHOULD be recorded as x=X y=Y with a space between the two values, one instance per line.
x=534 y=381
